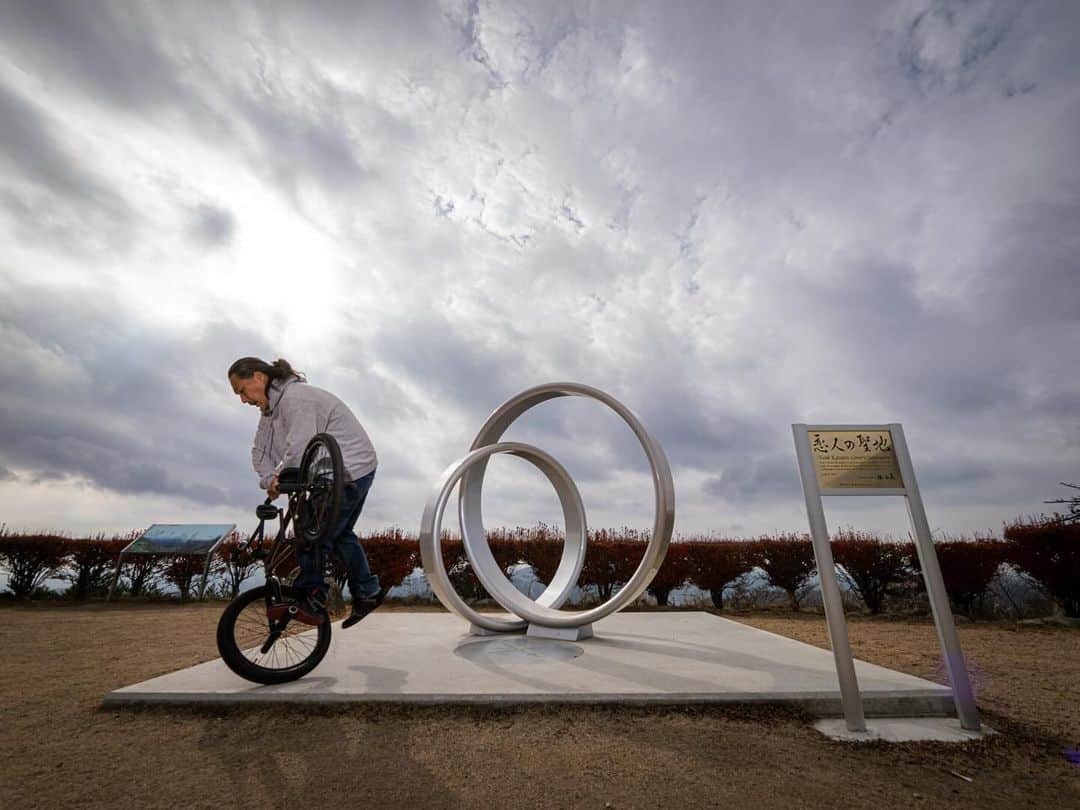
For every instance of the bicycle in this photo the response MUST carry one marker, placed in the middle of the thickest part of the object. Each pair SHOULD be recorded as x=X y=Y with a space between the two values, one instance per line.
x=266 y=635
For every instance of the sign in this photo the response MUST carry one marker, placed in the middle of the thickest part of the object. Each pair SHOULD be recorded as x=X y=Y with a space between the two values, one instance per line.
x=180 y=538
x=855 y=459
x=872 y=460
x=176 y=538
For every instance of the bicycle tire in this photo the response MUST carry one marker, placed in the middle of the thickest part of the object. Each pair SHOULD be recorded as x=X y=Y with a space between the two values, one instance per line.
x=322 y=476
x=292 y=656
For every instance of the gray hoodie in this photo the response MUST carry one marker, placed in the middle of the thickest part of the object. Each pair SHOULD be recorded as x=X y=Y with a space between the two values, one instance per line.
x=297 y=411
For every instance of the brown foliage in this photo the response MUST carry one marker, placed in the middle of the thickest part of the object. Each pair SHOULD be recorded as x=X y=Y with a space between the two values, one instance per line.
x=788 y=561
x=31 y=559
x=141 y=571
x=714 y=564
x=181 y=570
x=1048 y=549
x=92 y=561
x=611 y=559
x=391 y=555
x=872 y=567
x=673 y=573
x=236 y=560
x=460 y=570
x=967 y=567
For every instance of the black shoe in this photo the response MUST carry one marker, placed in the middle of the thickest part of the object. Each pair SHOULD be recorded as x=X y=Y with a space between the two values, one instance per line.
x=362 y=607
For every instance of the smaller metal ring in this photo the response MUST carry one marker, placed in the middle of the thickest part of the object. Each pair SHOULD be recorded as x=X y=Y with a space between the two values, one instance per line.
x=483 y=561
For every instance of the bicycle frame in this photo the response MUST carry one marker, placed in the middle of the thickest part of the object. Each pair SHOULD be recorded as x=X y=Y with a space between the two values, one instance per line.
x=280 y=548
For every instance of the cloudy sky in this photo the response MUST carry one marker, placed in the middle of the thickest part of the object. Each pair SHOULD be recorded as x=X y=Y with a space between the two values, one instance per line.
x=731 y=216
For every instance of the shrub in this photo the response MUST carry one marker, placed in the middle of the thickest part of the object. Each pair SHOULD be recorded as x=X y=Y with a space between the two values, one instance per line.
x=31 y=559
x=143 y=572
x=788 y=561
x=1048 y=550
x=92 y=562
x=460 y=571
x=181 y=570
x=544 y=555
x=611 y=559
x=236 y=561
x=967 y=568
x=872 y=568
x=392 y=555
x=715 y=564
x=673 y=573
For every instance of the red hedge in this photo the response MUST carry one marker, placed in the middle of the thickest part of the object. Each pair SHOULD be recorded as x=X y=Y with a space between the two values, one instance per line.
x=715 y=564
x=967 y=567
x=872 y=567
x=31 y=559
x=788 y=560
x=1048 y=549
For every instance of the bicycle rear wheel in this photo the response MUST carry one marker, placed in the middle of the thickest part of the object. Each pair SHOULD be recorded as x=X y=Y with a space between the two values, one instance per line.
x=292 y=649
x=322 y=479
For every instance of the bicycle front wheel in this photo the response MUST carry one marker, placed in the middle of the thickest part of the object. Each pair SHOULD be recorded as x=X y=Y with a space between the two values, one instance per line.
x=256 y=643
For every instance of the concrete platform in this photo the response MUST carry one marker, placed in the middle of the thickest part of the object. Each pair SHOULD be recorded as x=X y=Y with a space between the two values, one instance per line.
x=645 y=658
x=634 y=658
x=903 y=729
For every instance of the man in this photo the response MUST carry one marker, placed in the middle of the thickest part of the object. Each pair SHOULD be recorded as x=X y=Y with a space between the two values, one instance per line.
x=292 y=413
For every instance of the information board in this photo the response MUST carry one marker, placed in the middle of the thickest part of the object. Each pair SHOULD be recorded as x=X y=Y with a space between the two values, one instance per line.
x=855 y=459
x=180 y=538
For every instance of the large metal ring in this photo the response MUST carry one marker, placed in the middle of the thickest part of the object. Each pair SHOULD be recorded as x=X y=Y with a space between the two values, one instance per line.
x=470 y=471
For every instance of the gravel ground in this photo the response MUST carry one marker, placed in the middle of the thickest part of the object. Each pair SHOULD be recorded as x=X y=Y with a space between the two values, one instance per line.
x=59 y=748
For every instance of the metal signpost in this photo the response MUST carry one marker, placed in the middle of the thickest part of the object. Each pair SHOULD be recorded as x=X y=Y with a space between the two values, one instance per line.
x=176 y=538
x=873 y=460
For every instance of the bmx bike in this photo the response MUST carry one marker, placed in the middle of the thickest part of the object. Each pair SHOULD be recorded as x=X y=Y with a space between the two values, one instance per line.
x=268 y=634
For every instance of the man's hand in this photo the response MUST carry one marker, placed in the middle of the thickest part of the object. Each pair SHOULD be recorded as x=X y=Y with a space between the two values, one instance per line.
x=272 y=490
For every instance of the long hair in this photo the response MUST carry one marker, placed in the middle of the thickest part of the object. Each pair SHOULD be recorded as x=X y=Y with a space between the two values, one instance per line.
x=278 y=371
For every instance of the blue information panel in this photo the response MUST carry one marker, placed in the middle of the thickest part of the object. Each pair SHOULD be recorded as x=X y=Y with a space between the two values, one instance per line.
x=180 y=538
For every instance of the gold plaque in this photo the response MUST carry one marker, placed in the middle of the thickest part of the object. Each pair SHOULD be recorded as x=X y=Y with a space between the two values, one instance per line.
x=855 y=459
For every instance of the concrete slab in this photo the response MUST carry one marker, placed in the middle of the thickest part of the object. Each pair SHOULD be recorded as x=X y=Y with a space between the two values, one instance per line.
x=647 y=658
x=903 y=729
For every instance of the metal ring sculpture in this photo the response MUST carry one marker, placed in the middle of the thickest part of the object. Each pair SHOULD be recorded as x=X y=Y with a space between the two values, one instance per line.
x=469 y=471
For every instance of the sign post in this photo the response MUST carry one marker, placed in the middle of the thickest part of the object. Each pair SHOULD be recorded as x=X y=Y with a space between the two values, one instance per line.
x=873 y=460
x=176 y=538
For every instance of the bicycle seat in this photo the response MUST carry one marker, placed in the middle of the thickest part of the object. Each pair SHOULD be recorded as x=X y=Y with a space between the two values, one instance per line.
x=289 y=480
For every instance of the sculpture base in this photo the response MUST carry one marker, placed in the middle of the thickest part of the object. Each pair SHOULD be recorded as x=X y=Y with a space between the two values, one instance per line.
x=477 y=630
x=560 y=633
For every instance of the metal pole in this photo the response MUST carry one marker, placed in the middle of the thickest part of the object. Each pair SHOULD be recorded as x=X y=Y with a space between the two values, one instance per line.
x=935 y=589
x=206 y=573
x=116 y=577
x=830 y=590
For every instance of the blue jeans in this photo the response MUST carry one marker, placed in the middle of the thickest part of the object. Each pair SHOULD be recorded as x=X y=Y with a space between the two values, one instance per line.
x=362 y=583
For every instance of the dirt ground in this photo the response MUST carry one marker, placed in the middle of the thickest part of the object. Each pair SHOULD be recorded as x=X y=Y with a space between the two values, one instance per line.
x=59 y=748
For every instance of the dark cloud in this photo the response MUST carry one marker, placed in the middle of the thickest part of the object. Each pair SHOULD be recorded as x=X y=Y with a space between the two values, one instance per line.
x=28 y=143
x=752 y=480
x=57 y=192
x=213 y=226
x=108 y=49
x=459 y=370
x=95 y=395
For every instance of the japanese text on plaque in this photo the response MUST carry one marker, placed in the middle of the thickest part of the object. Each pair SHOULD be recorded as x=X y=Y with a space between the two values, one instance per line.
x=845 y=459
